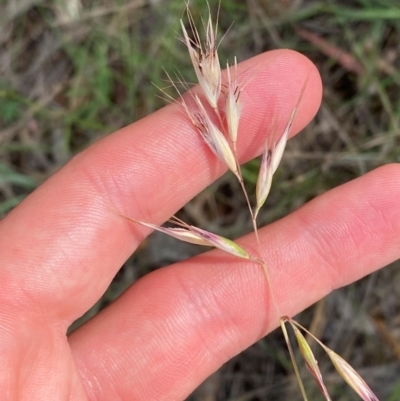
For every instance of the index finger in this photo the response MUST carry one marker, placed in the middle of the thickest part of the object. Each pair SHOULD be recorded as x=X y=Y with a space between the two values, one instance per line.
x=64 y=244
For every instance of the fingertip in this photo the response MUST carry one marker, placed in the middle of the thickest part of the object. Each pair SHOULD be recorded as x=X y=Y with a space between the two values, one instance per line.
x=292 y=70
x=276 y=82
x=390 y=172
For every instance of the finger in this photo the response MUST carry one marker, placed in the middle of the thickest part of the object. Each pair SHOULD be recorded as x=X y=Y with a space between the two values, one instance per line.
x=65 y=243
x=177 y=325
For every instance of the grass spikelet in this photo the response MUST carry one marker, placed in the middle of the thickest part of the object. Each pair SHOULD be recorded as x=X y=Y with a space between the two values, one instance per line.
x=214 y=137
x=264 y=180
x=348 y=373
x=310 y=361
x=183 y=234
x=204 y=57
x=232 y=105
x=222 y=243
x=195 y=235
x=209 y=131
x=352 y=378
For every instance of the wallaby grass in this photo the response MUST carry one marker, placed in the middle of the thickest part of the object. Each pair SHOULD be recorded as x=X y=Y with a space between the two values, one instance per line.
x=65 y=82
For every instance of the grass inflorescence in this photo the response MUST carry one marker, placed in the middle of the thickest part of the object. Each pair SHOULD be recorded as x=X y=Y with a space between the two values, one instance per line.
x=215 y=112
x=68 y=77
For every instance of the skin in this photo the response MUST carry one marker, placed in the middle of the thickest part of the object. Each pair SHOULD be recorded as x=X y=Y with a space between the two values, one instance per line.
x=62 y=246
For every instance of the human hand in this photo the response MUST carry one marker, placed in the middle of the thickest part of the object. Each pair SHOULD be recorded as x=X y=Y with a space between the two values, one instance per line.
x=62 y=246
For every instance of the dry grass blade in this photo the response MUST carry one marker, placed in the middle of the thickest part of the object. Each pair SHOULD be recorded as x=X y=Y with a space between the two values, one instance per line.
x=345 y=59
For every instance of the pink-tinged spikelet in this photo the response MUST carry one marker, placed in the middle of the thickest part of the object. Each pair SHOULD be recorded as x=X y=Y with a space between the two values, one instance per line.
x=211 y=134
x=214 y=137
x=204 y=58
x=352 y=378
x=311 y=362
x=195 y=235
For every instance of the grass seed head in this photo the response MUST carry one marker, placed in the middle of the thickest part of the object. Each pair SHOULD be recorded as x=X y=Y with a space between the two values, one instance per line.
x=204 y=58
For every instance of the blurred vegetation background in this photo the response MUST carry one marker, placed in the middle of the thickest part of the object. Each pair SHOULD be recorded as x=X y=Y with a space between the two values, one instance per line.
x=73 y=71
